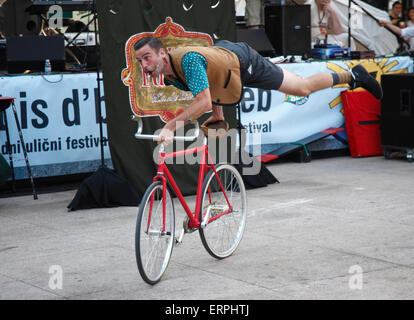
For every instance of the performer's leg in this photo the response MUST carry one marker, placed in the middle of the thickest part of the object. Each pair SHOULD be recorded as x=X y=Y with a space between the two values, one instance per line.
x=357 y=77
x=298 y=86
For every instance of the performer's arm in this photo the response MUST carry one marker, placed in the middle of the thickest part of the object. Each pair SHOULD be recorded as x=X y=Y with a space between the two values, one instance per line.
x=200 y=105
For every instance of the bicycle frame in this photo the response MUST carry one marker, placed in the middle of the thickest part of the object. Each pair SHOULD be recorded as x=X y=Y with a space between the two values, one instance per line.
x=165 y=176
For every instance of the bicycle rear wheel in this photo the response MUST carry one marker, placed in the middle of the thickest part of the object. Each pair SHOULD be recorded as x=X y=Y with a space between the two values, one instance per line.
x=224 y=231
x=153 y=245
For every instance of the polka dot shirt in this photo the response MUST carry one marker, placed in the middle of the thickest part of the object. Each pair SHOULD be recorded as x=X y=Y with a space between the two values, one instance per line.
x=194 y=66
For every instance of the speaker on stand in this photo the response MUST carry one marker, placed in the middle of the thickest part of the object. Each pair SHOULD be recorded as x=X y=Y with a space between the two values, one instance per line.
x=397 y=110
x=397 y=113
x=288 y=28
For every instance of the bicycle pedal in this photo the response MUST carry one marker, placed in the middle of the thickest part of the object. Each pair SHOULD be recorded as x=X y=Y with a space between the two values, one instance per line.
x=179 y=240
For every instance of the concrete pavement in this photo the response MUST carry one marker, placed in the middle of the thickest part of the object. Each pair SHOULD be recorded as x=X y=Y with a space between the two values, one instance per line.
x=335 y=228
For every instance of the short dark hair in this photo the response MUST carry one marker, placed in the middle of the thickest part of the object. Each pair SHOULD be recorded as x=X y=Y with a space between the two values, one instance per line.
x=153 y=42
x=395 y=3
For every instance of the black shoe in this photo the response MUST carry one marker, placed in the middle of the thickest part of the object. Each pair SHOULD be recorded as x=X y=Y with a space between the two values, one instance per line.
x=361 y=78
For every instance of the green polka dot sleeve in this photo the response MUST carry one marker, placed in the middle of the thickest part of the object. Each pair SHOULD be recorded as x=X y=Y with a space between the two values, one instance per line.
x=195 y=71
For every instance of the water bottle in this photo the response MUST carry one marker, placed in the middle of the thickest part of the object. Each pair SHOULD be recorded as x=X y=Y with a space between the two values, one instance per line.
x=48 y=66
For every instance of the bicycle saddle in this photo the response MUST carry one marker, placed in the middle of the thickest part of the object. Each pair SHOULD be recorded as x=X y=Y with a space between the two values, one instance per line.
x=216 y=129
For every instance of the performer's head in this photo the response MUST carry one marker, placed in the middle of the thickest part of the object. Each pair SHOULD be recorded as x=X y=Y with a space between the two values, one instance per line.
x=152 y=55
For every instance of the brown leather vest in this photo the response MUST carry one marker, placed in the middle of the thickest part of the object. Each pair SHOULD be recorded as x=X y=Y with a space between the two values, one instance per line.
x=223 y=72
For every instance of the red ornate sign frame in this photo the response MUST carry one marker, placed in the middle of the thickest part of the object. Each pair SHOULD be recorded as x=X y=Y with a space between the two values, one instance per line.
x=148 y=96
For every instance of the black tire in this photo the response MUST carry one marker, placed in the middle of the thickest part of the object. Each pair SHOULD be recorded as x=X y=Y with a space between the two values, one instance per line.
x=152 y=264
x=231 y=224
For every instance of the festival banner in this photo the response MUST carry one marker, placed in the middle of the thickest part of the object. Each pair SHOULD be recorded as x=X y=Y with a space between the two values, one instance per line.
x=59 y=119
x=281 y=118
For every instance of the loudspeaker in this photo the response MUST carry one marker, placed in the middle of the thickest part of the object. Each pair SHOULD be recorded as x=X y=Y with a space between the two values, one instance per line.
x=397 y=110
x=16 y=20
x=30 y=53
x=258 y=40
x=288 y=28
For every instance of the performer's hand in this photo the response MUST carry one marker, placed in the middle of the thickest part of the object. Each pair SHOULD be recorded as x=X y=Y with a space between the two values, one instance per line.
x=217 y=115
x=166 y=136
x=212 y=119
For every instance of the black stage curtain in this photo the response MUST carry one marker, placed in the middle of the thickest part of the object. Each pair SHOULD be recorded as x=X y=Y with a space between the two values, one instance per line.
x=120 y=19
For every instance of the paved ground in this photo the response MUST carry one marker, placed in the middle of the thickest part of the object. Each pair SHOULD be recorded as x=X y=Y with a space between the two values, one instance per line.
x=337 y=228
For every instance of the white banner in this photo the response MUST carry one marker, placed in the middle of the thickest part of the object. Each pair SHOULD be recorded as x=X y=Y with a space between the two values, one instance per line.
x=59 y=119
x=281 y=118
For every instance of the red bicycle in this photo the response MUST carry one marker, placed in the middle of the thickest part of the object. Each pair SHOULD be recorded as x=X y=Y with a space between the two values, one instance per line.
x=219 y=214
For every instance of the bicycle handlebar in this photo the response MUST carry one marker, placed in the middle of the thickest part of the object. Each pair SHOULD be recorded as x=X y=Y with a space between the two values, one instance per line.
x=140 y=135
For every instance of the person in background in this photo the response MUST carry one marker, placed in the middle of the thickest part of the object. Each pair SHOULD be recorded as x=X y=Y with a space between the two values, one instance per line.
x=325 y=24
x=254 y=14
x=410 y=23
x=406 y=33
x=396 y=16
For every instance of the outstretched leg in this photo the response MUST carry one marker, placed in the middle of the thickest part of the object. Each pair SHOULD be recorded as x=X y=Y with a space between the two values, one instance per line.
x=302 y=87
x=357 y=77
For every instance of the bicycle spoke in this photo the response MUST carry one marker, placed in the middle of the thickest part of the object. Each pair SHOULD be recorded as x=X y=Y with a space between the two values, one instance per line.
x=223 y=233
x=154 y=247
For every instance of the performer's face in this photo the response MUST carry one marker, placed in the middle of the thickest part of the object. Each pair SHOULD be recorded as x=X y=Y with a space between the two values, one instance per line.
x=151 y=61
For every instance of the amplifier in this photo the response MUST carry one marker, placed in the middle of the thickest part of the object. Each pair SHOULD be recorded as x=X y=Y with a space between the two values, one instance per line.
x=80 y=39
x=330 y=52
x=30 y=53
x=397 y=110
x=362 y=54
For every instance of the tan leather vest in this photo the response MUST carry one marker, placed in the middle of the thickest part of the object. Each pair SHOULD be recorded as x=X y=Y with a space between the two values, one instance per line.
x=223 y=72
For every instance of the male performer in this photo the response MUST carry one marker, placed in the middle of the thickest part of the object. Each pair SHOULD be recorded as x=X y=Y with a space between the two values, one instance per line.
x=216 y=76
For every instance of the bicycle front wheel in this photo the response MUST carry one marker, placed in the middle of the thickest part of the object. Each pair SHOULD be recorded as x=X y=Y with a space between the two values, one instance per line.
x=224 y=229
x=154 y=238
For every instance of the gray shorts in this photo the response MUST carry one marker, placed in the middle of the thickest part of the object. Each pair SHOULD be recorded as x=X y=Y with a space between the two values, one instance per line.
x=256 y=71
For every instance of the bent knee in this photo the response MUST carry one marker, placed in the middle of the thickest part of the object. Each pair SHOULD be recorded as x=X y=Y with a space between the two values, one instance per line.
x=303 y=92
